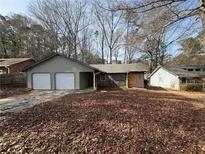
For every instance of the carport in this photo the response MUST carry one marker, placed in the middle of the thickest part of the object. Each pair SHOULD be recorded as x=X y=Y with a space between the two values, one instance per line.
x=86 y=80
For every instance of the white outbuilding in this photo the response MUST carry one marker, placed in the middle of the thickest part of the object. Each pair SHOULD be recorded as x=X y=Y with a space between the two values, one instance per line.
x=171 y=78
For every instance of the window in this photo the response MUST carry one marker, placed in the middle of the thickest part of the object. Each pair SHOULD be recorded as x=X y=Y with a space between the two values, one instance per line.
x=198 y=69
x=190 y=69
x=204 y=69
x=102 y=77
x=191 y=81
x=1 y=72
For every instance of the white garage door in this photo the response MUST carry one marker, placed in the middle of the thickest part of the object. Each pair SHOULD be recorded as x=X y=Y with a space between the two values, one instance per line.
x=41 y=81
x=64 y=81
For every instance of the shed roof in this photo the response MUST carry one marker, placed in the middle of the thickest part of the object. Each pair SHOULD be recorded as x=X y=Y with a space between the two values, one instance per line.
x=120 y=68
x=6 y=62
x=176 y=71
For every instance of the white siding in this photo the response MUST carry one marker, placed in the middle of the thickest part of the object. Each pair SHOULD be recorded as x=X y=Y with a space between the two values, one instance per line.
x=163 y=78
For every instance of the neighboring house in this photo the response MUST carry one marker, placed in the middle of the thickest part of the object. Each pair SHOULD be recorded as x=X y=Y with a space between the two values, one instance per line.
x=14 y=65
x=171 y=78
x=120 y=75
x=196 y=69
x=59 y=72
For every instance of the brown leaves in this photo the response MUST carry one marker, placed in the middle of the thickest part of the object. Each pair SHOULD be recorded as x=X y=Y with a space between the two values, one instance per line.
x=116 y=121
x=7 y=92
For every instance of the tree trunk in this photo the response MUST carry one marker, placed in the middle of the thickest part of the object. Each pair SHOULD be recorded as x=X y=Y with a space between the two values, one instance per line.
x=4 y=49
x=110 y=48
x=102 y=48
x=126 y=48
x=75 y=48
x=151 y=63
x=202 y=16
x=116 y=59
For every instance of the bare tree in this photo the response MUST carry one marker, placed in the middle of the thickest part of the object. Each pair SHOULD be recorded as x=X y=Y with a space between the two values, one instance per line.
x=153 y=36
x=100 y=40
x=109 y=22
x=132 y=43
x=67 y=18
x=180 y=9
x=131 y=20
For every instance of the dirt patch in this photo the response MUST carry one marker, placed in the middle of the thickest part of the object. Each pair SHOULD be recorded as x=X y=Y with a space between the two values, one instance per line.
x=138 y=121
x=7 y=92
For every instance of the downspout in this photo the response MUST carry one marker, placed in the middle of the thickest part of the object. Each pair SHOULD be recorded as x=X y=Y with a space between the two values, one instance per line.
x=8 y=70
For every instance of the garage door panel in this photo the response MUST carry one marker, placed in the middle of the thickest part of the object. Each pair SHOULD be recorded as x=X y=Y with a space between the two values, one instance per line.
x=64 y=81
x=41 y=81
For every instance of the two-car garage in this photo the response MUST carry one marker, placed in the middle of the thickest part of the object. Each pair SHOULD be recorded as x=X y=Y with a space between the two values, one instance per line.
x=63 y=81
x=59 y=73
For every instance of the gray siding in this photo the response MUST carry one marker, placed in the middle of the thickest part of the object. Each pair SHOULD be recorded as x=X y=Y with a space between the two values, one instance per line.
x=118 y=79
x=58 y=64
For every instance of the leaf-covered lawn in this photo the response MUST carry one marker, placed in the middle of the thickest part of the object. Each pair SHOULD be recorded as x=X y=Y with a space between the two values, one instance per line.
x=8 y=92
x=106 y=122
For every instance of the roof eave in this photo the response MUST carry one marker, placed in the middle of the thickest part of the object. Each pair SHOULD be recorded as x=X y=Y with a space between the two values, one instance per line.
x=154 y=71
x=5 y=65
x=22 y=62
x=125 y=72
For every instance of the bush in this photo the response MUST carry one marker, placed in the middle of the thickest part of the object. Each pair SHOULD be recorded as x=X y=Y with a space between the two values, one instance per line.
x=192 y=87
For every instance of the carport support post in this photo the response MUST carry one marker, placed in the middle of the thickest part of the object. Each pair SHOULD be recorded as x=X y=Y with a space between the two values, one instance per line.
x=94 y=83
x=127 y=80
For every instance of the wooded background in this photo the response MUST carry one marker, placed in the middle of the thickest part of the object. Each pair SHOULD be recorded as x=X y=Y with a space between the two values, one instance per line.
x=155 y=32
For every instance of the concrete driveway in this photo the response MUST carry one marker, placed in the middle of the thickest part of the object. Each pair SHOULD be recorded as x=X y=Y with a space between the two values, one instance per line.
x=20 y=102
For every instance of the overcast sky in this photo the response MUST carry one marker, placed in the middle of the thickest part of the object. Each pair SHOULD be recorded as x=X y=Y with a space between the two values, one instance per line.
x=14 y=6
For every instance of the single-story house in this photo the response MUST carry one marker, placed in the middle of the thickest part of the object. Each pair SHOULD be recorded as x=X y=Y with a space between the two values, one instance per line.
x=196 y=69
x=59 y=72
x=120 y=75
x=171 y=78
x=14 y=65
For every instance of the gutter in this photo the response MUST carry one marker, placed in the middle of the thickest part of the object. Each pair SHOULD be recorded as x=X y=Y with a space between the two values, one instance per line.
x=97 y=73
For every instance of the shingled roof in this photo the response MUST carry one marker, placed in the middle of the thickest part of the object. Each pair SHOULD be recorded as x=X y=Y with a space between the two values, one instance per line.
x=181 y=72
x=55 y=55
x=194 y=66
x=176 y=71
x=120 y=68
x=6 y=62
